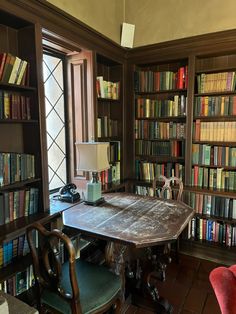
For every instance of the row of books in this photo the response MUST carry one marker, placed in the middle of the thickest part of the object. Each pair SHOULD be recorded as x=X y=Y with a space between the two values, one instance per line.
x=107 y=89
x=213 y=231
x=114 y=151
x=155 y=108
x=18 y=203
x=13 y=249
x=208 y=106
x=149 y=191
x=214 y=155
x=16 y=167
x=106 y=127
x=148 y=171
x=145 y=129
x=112 y=174
x=13 y=70
x=14 y=106
x=19 y=283
x=212 y=205
x=152 y=81
x=216 y=82
x=221 y=131
x=173 y=148
x=213 y=178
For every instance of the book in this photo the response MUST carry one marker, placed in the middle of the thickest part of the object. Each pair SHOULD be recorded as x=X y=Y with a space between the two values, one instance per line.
x=21 y=71
x=14 y=70
x=3 y=56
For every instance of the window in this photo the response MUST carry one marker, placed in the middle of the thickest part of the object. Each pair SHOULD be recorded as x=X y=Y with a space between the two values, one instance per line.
x=55 y=108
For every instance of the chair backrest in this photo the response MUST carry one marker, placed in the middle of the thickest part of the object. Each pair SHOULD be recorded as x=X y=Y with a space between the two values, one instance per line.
x=47 y=263
x=167 y=186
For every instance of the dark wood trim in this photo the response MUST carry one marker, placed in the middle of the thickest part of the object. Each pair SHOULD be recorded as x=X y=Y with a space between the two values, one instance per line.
x=61 y=23
x=200 y=45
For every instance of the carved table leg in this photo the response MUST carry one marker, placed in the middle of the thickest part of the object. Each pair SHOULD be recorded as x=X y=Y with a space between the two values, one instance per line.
x=143 y=282
x=114 y=255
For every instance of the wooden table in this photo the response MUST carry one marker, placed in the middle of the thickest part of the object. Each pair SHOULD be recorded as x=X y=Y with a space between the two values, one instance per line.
x=130 y=220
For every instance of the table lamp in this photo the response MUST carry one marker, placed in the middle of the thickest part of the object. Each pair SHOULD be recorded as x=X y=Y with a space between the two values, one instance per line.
x=93 y=157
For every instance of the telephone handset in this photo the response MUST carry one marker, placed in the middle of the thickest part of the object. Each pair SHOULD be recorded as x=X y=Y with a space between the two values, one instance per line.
x=69 y=193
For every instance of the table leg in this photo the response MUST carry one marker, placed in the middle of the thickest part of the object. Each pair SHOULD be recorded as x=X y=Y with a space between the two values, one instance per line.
x=114 y=256
x=142 y=283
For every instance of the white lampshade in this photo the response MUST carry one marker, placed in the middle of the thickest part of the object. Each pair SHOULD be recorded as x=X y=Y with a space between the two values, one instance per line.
x=93 y=156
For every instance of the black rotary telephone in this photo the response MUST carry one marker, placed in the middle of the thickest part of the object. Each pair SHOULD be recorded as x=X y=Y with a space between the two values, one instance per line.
x=69 y=193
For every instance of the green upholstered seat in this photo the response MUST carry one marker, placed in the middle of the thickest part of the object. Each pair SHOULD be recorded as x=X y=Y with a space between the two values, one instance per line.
x=96 y=283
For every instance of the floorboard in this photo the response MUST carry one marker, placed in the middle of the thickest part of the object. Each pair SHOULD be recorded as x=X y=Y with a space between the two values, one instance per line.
x=187 y=288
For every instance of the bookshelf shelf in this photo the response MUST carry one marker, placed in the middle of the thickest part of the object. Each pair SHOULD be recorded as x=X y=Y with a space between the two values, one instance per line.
x=215 y=218
x=221 y=93
x=19 y=184
x=162 y=140
x=168 y=119
x=213 y=166
x=166 y=91
x=10 y=270
x=159 y=158
x=18 y=121
x=17 y=87
x=219 y=143
x=211 y=191
x=215 y=118
x=100 y=99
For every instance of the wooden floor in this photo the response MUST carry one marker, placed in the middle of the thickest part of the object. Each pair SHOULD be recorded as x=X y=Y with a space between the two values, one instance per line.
x=187 y=288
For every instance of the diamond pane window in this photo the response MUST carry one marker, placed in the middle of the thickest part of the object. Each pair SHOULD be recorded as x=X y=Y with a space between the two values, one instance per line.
x=55 y=120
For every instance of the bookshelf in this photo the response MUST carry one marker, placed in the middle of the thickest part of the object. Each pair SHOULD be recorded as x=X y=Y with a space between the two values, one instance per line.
x=109 y=118
x=160 y=101
x=22 y=197
x=209 y=158
x=213 y=153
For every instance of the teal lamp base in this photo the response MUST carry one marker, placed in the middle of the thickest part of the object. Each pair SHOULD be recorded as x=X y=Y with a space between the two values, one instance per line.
x=94 y=192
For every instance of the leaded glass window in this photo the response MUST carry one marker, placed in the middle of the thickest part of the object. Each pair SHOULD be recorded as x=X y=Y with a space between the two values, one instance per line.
x=55 y=120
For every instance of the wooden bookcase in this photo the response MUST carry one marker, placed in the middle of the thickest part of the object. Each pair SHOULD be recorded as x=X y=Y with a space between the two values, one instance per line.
x=160 y=110
x=213 y=160
x=211 y=234
x=110 y=117
x=20 y=136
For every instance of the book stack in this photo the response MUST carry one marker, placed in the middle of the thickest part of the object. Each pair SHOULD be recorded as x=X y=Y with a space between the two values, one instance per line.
x=213 y=178
x=213 y=231
x=219 y=131
x=210 y=106
x=13 y=70
x=213 y=206
x=220 y=156
x=107 y=89
x=106 y=127
x=111 y=175
x=18 y=203
x=148 y=171
x=216 y=82
x=16 y=167
x=156 y=108
x=19 y=283
x=14 y=106
x=153 y=81
x=145 y=129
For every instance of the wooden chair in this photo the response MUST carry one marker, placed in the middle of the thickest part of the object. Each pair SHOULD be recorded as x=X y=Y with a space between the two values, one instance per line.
x=73 y=287
x=167 y=188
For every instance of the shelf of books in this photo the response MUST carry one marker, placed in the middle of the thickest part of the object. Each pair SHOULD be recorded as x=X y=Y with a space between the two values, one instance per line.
x=21 y=183
x=213 y=177
x=160 y=122
x=110 y=118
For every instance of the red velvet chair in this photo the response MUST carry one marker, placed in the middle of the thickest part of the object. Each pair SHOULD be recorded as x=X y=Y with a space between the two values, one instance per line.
x=223 y=281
